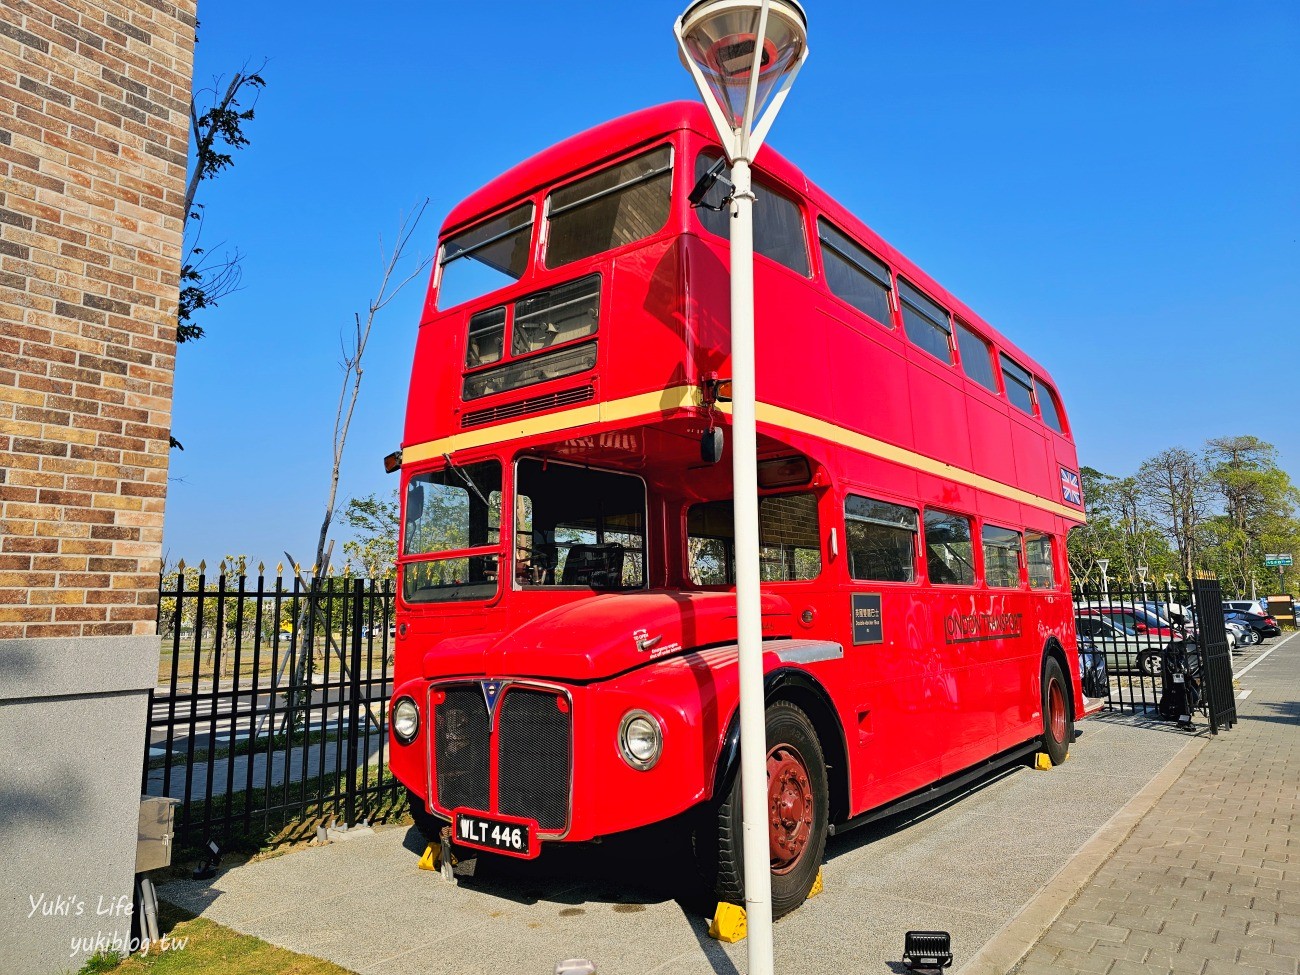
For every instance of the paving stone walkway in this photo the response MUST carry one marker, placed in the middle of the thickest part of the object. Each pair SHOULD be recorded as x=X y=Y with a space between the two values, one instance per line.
x=1209 y=880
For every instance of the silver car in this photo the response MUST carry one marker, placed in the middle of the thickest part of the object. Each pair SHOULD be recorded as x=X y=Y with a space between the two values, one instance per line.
x=1121 y=646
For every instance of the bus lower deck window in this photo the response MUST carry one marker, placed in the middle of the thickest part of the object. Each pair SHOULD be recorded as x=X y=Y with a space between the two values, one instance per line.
x=881 y=540
x=789 y=540
x=949 y=555
x=1038 y=549
x=1001 y=557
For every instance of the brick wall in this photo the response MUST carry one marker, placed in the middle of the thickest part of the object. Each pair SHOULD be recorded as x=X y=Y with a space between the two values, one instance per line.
x=94 y=98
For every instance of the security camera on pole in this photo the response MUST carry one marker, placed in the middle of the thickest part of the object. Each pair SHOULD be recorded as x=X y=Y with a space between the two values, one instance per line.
x=744 y=56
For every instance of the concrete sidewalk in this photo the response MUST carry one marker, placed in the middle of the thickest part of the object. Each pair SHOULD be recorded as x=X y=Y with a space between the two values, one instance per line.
x=1208 y=881
x=967 y=865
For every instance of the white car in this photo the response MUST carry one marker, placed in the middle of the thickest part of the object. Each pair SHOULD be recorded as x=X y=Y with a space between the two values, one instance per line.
x=1239 y=635
x=1247 y=606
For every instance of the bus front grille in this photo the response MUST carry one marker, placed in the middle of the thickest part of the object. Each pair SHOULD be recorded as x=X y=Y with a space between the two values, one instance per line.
x=532 y=743
x=460 y=734
x=533 y=748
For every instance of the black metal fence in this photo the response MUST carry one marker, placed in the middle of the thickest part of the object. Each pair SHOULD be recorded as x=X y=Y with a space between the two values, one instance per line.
x=1132 y=626
x=271 y=705
x=1220 y=695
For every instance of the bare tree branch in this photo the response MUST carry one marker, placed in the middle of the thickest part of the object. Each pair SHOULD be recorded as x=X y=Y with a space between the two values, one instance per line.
x=350 y=387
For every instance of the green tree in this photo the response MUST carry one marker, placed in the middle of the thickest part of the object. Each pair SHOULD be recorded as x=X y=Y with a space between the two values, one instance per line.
x=1120 y=530
x=1175 y=491
x=216 y=129
x=1258 y=502
x=375 y=521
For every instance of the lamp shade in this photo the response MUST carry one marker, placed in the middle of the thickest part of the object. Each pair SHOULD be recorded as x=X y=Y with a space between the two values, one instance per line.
x=721 y=37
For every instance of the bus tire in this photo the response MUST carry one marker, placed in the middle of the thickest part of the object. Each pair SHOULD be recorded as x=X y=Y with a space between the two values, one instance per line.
x=798 y=817
x=429 y=825
x=1058 y=722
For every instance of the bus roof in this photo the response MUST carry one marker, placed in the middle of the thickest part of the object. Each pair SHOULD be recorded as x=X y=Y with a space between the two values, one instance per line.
x=618 y=135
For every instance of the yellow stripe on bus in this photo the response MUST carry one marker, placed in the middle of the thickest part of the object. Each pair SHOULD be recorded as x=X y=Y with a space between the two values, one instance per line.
x=677 y=397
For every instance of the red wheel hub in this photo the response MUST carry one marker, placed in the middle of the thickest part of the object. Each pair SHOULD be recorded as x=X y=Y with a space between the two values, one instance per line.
x=1056 y=710
x=790 y=807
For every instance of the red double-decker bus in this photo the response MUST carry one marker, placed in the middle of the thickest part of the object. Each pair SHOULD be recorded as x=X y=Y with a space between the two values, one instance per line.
x=566 y=661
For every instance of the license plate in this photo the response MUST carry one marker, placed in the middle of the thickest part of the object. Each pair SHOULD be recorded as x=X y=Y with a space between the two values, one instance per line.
x=500 y=834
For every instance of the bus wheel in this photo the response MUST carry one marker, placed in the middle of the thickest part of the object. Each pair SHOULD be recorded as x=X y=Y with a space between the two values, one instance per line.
x=796 y=817
x=1058 y=724
x=429 y=825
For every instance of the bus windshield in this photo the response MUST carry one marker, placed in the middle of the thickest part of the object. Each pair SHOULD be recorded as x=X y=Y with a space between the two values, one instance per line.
x=452 y=510
x=578 y=527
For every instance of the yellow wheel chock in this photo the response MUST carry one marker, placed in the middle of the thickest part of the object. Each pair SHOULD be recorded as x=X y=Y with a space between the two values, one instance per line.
x=431 y=858
x=729 y=923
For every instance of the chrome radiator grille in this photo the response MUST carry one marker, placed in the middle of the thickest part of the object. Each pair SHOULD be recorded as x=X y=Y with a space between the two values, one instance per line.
x=529 y=752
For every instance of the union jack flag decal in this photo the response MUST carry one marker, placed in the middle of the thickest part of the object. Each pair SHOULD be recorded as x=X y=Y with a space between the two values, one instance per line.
x=1071 y=490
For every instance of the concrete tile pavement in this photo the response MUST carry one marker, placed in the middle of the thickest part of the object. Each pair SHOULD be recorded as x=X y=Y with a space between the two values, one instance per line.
x=1209 y=880
x=965 y=865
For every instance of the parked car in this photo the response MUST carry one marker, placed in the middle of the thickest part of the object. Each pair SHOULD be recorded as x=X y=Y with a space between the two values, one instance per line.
x=1262 y=626
x=1178 y=614
x=1092 y=670
x=1120 y=645
x=1239 y=634
x=1133 y=616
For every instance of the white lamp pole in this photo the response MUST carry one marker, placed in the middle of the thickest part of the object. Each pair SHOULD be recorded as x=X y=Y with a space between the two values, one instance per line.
x=1104 y=564
x=744 y=55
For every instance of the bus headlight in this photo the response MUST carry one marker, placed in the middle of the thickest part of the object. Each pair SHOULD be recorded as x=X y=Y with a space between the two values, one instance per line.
x=406 y=720
x=640 y=740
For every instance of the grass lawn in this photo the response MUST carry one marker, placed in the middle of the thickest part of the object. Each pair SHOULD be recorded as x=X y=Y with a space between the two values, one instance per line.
x=211 y=949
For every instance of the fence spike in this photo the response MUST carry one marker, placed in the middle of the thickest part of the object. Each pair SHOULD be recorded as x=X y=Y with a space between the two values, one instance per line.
x=347 y=567
x=261 y=568
x=312 y=570
x=279 y=568
x=330 y=571
x=297 y=568
x=180 y=566
x=243 y=565
x=203 y=565
x=222 y=567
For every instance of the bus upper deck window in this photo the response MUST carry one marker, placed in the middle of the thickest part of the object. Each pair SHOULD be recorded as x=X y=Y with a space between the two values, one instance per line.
x=616 y=206
x=1020 y=385
x=925 y=322
x=854 y=275
x=485 y=258
x=1047 y=405
x=778 y=222
x=976 y=359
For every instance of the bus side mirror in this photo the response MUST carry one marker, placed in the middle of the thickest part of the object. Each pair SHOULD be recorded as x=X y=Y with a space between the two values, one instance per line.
x=414 y=502
x=711 y=446
x=706 y=182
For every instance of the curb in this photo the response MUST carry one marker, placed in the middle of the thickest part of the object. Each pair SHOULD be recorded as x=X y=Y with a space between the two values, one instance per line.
x=1013 y=940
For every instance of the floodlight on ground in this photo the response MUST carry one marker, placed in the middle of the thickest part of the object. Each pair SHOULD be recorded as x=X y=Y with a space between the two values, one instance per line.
x=927 y=951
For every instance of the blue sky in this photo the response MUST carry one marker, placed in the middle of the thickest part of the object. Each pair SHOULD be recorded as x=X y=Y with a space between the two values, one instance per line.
x=1111 y=184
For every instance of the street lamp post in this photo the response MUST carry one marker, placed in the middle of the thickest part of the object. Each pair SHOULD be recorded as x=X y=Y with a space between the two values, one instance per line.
x=1169 y=587
x=1104 y=564
x=744 y=56
x=1143 y=569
